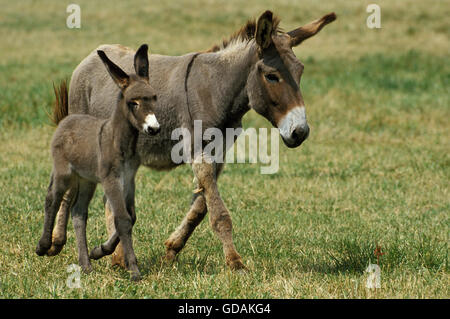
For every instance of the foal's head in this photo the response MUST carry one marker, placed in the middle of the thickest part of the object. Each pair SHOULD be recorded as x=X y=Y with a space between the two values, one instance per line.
x=273 y=84
x=138 y=98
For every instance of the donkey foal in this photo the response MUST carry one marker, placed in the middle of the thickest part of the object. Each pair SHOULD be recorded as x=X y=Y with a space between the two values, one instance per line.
x=87 y=150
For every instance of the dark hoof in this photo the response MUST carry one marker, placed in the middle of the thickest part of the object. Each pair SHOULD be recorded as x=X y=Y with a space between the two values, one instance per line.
x=96 y=253
x=41 y=250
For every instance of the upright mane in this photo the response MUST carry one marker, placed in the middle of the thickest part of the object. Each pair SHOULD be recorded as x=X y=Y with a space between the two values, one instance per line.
x=245 y=34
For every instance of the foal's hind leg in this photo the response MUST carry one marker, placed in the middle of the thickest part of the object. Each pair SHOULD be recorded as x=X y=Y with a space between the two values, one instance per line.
x=193 y=218
x=59 y=236
x=59 y=184
x=79 y=218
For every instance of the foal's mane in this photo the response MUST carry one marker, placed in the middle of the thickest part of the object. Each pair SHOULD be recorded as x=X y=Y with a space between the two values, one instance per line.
x=245 y=34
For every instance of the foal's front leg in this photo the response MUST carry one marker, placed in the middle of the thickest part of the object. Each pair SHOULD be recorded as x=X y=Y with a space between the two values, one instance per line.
x=123 y=223
x=113 y=242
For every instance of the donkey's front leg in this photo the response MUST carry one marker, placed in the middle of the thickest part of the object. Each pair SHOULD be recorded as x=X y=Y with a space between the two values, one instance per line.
x=123 y=224
x=219 y=216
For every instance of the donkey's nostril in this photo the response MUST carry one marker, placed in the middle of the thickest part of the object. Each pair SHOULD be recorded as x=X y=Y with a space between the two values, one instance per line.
x=300 y=133
x=152 y=130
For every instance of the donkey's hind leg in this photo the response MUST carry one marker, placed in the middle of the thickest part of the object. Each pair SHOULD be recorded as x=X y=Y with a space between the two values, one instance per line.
x=59 y=184
x=86 y=190
x=193 y=218
x=219 y=216
x=179 y=237
x=59 y=236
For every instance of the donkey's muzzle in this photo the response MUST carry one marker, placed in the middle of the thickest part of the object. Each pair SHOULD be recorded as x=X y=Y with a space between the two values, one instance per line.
x=298 y=136
x=293 y=127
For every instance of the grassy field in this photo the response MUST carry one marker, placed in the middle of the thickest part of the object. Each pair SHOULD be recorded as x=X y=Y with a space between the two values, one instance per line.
x=375 y=169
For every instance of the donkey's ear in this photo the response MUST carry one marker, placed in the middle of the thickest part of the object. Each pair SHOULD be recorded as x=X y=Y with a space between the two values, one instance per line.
x=141 y=61
x=264 y=26
x=118 y=75
x=307 y=31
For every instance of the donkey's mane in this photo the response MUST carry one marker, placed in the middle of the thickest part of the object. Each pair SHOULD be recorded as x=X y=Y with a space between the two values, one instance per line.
x=245 y=34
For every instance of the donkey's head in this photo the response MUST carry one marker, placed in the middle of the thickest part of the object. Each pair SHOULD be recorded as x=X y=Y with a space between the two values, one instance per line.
x=138 y=98
x=273 y=84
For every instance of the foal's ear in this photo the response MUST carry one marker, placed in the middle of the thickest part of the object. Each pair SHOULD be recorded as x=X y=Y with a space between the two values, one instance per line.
x=264 y=26
x=310 y=29
x=118 y=75
x=141 y=61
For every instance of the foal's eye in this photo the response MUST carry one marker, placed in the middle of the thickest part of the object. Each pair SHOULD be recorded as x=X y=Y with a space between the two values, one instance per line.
x=272 y=78
x=133 y=105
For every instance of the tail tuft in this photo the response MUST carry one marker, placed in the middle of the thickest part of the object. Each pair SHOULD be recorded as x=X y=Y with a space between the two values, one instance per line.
x=61 y=106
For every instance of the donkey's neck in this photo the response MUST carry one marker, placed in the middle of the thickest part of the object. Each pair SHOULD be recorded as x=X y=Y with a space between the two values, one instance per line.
x=123 y=134
x=236 y=61
x=228 y=93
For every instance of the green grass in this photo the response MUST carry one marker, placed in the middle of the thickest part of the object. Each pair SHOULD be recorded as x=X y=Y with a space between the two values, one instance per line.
x=375 y=169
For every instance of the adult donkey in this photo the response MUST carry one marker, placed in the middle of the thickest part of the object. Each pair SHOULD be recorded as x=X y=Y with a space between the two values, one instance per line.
x=256 y=68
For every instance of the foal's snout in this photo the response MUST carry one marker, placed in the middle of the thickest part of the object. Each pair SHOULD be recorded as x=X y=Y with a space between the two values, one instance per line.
x=151 y=125
x=152 y=131
x=293 y=127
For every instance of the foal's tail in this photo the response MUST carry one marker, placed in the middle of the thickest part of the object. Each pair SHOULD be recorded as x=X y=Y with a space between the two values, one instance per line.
x=61 y=106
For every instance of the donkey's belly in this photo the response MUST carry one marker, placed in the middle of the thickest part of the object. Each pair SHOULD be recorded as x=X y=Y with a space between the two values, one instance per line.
x=155 y=151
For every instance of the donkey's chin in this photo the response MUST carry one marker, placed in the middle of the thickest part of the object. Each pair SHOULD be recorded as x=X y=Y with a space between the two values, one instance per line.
x=292 y=143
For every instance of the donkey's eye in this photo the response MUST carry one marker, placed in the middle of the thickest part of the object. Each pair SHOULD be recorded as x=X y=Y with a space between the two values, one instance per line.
x=133 y=105
x=272 y=78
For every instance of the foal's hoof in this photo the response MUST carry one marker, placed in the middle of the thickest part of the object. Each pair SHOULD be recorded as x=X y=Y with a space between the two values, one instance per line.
x=96 y=253
x=86 y=268
x=41 y=249
x=55 y=249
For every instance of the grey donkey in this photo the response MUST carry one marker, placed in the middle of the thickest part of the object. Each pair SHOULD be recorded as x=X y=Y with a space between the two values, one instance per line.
x=255 y=68
x=87 y=150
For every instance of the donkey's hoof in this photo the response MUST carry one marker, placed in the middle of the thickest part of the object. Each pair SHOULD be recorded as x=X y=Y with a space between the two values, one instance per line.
x=237 y=265
x=118 y=260
x=170 y=256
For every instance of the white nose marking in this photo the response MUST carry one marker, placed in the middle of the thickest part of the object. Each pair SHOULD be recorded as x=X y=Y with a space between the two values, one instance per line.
x=151 y=121
x=296 y=117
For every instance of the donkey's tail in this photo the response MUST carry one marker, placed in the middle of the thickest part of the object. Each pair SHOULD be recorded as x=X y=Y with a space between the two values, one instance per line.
x=61 y=106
